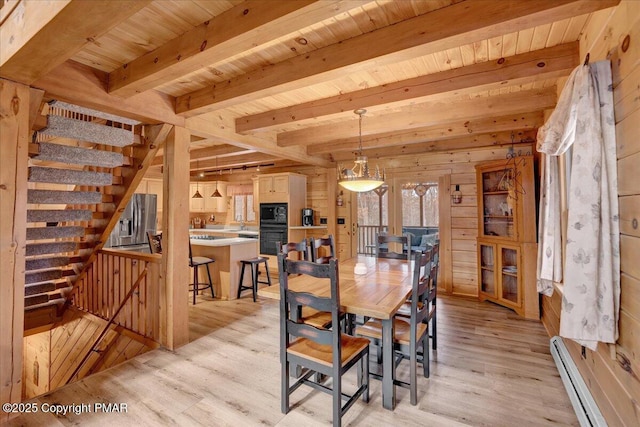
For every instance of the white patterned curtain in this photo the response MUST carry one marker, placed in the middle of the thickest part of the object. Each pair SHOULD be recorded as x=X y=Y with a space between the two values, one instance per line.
x=591 y=293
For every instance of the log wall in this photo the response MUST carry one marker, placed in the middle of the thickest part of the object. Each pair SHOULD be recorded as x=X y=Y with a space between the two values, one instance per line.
x=612 y=373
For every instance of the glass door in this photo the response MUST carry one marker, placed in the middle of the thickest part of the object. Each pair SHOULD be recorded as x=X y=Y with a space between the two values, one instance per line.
x=509 y=280
x=373 y=217
x=487 y=270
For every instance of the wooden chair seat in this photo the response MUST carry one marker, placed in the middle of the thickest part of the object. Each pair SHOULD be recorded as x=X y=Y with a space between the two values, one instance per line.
x=320 y=353
x=405 y=310
x=313 y=317
x=402 y=334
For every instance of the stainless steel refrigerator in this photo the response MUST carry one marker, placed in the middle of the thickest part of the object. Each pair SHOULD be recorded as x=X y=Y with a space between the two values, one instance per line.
x=130 y=233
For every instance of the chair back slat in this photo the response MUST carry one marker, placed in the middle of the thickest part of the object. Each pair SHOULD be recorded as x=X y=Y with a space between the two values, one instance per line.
x=323 y=242
x=309 y=300
x=383 y=250
x=320 y=336
x=302 y=248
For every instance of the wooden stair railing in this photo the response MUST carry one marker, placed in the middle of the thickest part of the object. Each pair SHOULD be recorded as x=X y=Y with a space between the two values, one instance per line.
x=133 y=289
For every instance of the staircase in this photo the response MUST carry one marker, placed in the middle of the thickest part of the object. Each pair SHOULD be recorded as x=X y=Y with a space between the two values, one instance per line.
x=76 y=185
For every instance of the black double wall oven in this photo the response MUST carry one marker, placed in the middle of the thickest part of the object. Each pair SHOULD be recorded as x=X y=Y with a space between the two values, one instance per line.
x=273 y=226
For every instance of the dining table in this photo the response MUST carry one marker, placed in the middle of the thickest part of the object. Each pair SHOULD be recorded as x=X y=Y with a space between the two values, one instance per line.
x=381 y=289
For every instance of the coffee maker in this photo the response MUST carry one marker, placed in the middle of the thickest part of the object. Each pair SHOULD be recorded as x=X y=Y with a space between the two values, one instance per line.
x=307 y=217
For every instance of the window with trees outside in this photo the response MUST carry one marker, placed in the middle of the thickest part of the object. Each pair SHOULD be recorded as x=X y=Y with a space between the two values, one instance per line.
x=420 y=204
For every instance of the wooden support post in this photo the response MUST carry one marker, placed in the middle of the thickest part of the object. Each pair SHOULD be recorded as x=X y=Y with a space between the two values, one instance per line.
x=14 y=127
x=446 y=257
x=175 y=239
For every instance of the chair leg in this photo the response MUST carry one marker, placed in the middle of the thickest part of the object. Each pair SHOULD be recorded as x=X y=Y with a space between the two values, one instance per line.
x=210 y=282
x=337 y=398
x=266 y=267
x=434 y=334
x=413 y=374
x=379 y=354
x=284 y=392
x=195 y=283
x=425 y=355
x=254 y=281
x=241 y=279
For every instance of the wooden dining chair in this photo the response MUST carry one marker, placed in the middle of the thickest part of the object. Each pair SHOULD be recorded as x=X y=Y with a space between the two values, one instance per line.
x=328 y=245
x=430 y=298
x=155 y=242
x=309 y=315
x=384 y=250
x=323 y=352
x=411 y=333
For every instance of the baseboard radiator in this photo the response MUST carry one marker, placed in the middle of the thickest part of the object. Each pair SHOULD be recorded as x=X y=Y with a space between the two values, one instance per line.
x=581 y=399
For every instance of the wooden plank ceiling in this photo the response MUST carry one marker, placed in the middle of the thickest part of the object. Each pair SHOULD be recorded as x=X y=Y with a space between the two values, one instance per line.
x=276 y=82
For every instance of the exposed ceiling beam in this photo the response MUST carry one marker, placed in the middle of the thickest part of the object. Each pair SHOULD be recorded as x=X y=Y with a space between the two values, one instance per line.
x=543 y=64
x=496 y=139
x=241 y=28
x=222 y=127
x=458 y=129
x=219 y=151
x=427 y=114
x=37 y=36
x=78 y=84
x=425 y=34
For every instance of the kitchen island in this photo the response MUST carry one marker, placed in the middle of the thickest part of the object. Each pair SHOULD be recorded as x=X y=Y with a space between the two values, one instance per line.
x=227 y=252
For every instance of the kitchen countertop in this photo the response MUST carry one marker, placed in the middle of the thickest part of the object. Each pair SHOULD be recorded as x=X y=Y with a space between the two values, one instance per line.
x=231 y=241
x=223 y=231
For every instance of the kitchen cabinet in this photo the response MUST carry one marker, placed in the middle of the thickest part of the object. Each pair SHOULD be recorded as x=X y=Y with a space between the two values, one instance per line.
x=215 y=204
x=208 y=203
x=507 y=234
x=273 y=188
x=196 y=205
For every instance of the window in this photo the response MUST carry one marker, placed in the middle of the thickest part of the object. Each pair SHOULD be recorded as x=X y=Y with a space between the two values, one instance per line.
x=243 y=208
x=420 y=205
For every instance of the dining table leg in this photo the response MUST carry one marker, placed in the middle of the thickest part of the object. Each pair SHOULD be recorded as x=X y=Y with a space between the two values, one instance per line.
x=388 y=373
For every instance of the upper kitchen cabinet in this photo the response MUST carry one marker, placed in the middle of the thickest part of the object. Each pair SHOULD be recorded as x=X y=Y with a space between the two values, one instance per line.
x=215 y=204
x=276 y=187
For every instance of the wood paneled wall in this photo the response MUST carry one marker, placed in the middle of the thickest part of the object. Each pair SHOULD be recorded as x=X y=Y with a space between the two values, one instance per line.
x=613 y=371
x=51 y=357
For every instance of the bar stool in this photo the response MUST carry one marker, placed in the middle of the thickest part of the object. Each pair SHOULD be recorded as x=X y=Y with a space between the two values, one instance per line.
x=254 y=264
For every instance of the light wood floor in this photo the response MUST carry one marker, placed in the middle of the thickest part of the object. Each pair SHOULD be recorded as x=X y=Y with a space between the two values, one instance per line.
x=491 y=369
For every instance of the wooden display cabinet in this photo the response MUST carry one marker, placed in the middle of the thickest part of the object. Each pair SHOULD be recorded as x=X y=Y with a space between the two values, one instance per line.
x=507 y=235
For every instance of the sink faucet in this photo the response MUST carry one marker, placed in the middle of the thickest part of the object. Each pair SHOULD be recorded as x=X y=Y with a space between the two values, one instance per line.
x=241 y=221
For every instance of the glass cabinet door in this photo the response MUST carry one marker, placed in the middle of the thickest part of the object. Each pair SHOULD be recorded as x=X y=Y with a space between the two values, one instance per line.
x=498 y=203
x=509 y=289
x=487 y=268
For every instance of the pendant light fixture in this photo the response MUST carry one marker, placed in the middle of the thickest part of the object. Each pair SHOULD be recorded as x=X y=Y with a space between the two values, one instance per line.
x=216 y=193
x=197 y=194
x=358 y=178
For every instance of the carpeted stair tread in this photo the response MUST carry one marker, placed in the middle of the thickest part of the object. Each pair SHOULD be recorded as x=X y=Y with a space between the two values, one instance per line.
x=87 y=131
x=69 y=176
x=58 y=215
x=91 y=112
x=40 y=233
x=35 y=300
x=51 y=248
x=78 y=155
x=40 y=288
x=42 y=276
x=64 y=197
x=42 y=263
